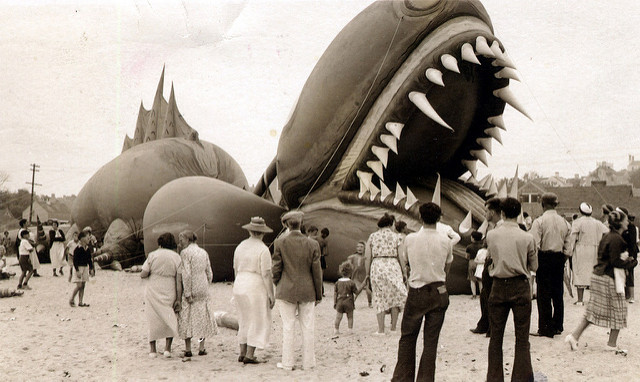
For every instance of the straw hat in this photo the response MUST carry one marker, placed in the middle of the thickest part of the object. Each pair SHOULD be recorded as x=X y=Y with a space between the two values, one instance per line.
x=257 y=224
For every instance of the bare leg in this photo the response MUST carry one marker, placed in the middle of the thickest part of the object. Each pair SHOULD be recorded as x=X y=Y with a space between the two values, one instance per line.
x=473 y=288
x=29 y=274
x=631 y=293
x=167 y=344
x=394 y=318
x=187 y=345
x=613 y=337
x=380 y=318
x=250 y=351
x=243 y=351
x=152 y=346
x=81 y=293
x=350 y=320
x=581 y=327
x=580 y=293
x=22 y=275
x=337 y=322
x=201 y=347
x=75 y=292
x=479 y=286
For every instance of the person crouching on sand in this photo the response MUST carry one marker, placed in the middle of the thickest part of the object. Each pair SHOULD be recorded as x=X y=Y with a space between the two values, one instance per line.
x=344 y=297
x=83 y=265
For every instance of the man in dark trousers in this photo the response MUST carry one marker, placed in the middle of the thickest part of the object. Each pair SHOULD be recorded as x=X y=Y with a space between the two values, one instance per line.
x=551 y=233
x=298 y=278
x=493 y=218
x=513 y=254
x=631 y=237
x=429 y=254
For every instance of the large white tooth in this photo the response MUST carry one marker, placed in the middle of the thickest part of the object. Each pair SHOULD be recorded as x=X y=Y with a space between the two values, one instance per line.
x=435 y=76
x=483 y=227
x=384 y=191
x=420 y=100
x=395 y=128
x=495 y=48
x=390 y=141
x=483 y=48
x=383 y=153
x=411 y=199
x=502 y=192
x=365 y=182
x=485 y=143
x=505 y=61
x=497 y=121
x=399 y=195
x=494 y=133
x=507 y=96
x=481 y=155
x=468 y=54
x=472 y=181
x=373 y=192
x=450 y=62
x=487 y=185
x=471 y=165
x=465 y=224
x=484 y=182
x=493 y=189
x=376 y=166
x=507 y=73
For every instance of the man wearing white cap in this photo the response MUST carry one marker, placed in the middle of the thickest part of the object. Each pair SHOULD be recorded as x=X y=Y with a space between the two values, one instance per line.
x=586 y=233
x=298 y=278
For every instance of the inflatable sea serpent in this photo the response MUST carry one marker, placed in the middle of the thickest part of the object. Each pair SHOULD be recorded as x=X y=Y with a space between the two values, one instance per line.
x=398 y=110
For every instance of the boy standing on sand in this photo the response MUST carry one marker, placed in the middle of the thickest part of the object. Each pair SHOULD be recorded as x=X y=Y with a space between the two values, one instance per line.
x=83 y=263
x=24 y=251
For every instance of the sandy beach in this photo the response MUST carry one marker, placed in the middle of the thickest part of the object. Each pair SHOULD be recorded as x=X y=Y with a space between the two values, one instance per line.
x=43 y=338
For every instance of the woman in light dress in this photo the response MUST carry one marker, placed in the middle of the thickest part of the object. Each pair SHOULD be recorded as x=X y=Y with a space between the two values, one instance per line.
x=56 y=249
x=161 y=293
x=586 y=233
x=253 y=290
x=196 y=317
x=385 y=273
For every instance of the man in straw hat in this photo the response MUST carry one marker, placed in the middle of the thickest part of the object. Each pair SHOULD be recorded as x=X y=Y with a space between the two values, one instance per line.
x=586 y=233
x=298 y=278
x=551 y=233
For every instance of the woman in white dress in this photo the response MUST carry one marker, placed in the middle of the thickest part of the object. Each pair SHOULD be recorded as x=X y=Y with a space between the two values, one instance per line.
x=56 y=249
x=161 y=293
x=253 y=290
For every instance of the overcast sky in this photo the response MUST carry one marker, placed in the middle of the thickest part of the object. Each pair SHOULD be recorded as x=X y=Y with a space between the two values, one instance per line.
x=73 y=74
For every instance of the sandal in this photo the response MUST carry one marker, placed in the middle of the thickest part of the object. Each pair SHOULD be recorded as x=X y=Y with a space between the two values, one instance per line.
x=202 y=352
x=83 y=304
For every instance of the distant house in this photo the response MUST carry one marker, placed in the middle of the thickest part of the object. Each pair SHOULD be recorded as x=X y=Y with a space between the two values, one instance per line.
x=48 y=209
x=597 y=194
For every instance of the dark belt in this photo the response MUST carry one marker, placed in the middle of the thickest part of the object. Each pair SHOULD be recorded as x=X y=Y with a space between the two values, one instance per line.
x=386 y=257
x=550 y=253
x=507 y=279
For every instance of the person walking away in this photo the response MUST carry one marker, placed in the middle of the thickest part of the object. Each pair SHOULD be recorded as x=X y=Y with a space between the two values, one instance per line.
x=586 y=233
x=345 y=290
x=253 y=290
x=630 y=236
x=514 y=256
x=606 y=307
x=56 y=248
x=551 y=234
x=429 y=253
x=161 y=293
x=298 y=278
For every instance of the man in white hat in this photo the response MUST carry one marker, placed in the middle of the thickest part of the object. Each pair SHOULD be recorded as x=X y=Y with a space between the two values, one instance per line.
x=298 y=278
x=586 y=233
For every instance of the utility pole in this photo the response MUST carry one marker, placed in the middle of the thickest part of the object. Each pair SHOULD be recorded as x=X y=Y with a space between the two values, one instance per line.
x=34 y=169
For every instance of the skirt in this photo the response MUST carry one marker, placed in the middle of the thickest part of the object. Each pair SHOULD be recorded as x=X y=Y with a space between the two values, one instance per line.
x=57 y=255
x=160 y=295
x=606 y=308
x=254 y=313
x=387 y=286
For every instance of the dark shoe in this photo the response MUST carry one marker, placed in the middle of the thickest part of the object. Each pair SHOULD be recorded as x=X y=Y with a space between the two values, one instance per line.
x=188 y=354
x=477 y=331
x=55 y=274
x=247 y=360
x=61 y=273
x=541 y=334
x=558 y=332
x=202 y=352
x=83 y=305
x=488 y=335
x=36 y=275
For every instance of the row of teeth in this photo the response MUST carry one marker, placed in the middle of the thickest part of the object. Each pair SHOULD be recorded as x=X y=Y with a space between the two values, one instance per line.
x=366 y=185
x=487 y=185
x=420 y=100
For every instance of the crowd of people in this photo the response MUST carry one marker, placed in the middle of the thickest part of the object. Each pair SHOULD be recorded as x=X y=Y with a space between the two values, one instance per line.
x=400 y=271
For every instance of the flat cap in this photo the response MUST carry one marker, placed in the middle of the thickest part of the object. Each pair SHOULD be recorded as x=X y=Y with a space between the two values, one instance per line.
x=550 y=199
x=292 y=215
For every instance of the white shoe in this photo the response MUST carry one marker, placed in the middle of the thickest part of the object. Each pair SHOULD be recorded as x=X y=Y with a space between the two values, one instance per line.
x=572 y=342
x=279 y=365
x=631 y=301
x=378 y=333
x=153 y=355
x=167 y=354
